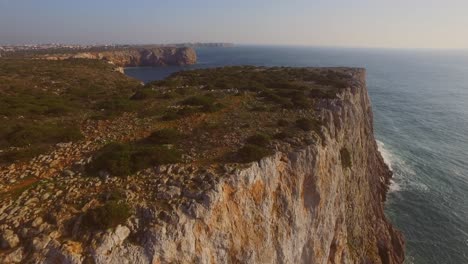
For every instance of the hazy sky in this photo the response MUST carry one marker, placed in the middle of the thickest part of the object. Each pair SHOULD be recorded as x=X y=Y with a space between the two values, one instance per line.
x=357 y=23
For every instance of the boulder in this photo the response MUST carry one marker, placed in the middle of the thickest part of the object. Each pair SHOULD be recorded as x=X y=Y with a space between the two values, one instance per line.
x=8 y=239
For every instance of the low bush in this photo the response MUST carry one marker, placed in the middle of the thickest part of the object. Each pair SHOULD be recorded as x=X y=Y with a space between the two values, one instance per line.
x=169 y=116
x=250 y=153
x=283 y=135
x=260 y=140
x=164 y=136
x=307 y=124
x=259 y=108
x=145 y=157
x=144 y=94
x=22 y=154
x=25 y=135
x=117 y=105
x=115 y=158
x=120 y=159
x=199 y=100
x=212 y=108
x=301 y=103
x=181 y=113
x=109 y=215
x=283 y=123
x=329 y=93
x=346 y=161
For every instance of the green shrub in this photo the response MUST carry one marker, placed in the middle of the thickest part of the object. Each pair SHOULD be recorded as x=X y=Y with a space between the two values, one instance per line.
x=144 y=94
x=114 y=158
x=117 y=105
x=283 y=135
x=259 y=108
x=260 y=140
x=164 y=136
x=146 y=157
x=275 y=98
x=199 y=100
x=301 y=103
x=109 y=215
x=24 y=135
x=169 y=116
x=125 y=159
x=22 y=154
x=283 y=123
x=307 y=124
x=346 y=161
x=250 y=153
x=206 y=103
x=212 y=108
x=114 y=195
x=181 y=113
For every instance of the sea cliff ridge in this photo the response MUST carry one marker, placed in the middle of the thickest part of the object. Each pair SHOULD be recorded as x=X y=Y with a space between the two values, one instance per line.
x=227 y=165
x=157 y=56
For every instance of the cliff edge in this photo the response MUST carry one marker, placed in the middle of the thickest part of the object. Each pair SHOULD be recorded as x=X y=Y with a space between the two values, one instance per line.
x=308 y=185
x=133 y=57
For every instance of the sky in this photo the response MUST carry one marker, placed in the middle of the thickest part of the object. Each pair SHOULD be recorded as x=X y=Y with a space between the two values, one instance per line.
x=441 y=24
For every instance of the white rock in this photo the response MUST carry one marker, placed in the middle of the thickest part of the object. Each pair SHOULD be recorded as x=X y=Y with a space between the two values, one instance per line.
x=8 y=239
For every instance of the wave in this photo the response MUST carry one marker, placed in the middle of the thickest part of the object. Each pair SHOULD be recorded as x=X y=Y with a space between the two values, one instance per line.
x=403 y=173
x=389 y=159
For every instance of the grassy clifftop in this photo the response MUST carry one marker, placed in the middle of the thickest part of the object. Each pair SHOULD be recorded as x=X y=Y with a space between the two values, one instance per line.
x=46 y=102
x=84 y=148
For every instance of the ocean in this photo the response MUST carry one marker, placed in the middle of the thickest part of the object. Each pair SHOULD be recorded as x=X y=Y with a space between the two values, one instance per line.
x=420 y=104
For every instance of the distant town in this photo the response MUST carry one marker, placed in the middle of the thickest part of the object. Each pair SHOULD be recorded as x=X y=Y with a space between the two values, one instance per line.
x=70 y=47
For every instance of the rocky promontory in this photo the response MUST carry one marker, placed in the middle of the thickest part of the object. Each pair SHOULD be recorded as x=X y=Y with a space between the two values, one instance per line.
x=228 y=165
x=134 y=56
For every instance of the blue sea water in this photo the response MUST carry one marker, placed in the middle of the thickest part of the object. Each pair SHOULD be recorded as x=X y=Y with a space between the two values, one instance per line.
x=420 y=103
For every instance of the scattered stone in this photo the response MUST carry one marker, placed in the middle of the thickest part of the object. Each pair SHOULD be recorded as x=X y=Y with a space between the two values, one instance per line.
x=41 y=242
x=8 y=239
x=37 y=222
x=68 y=173
x=15 y=256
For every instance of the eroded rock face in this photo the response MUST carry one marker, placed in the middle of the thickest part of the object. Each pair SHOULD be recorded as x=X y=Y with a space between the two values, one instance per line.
x=144 y=57
x=299 y=205
x=304 y=206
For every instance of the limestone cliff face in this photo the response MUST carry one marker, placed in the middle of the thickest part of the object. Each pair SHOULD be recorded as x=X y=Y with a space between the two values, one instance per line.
x=317 y=203
x=302 y=205
x=160 y=56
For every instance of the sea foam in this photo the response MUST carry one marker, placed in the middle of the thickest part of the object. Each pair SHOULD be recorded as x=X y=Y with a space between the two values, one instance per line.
x=389 y=159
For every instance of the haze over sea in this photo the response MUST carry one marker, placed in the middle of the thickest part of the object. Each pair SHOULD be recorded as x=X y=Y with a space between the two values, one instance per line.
x=420 y=109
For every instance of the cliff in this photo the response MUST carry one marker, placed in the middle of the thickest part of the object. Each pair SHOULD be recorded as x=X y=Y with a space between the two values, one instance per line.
x=317 y=197
x=132 y=57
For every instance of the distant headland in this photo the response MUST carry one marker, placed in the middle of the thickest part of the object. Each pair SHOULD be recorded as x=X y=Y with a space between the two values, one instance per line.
x=119 y=55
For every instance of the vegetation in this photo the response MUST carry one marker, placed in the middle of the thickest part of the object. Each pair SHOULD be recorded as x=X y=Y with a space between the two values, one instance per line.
x=307 y=124
x=25 y=135
x=250 y=153
x=33 y=139
x=122 y=159
x=11 y=156
x=260 y=140
x=164 y=136
x=283 y=122
x=43 y=102
x=288 y=87
x=109 y=215
x=346 y=161
x=283 y=135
